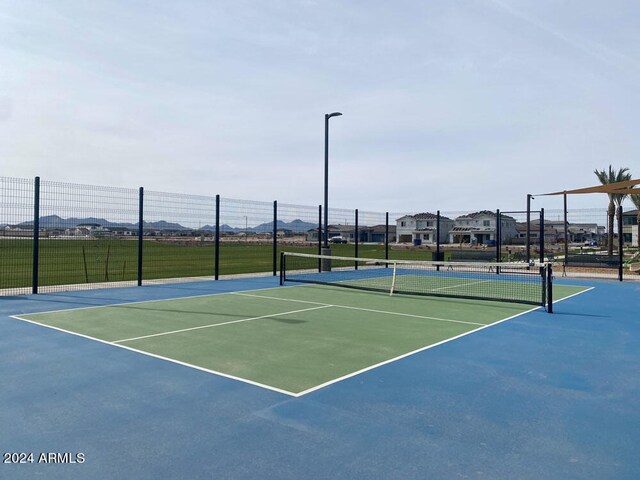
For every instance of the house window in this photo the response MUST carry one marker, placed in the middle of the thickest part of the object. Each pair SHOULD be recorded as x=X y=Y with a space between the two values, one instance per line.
x=403 y=224
x=486 y=223
x=626 y=237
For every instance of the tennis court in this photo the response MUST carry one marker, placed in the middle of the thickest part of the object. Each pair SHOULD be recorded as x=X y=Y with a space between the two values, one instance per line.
x=345 y=395
x=296 y=339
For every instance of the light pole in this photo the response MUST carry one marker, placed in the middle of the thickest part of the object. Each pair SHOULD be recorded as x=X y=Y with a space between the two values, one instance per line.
x=327 y=116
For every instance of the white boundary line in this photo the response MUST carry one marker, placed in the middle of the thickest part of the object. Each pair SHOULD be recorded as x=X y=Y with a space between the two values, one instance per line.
x=220 y=324
x=408 y=354
x=123 y=304
x=160 y=357
x=362 y=309
x=262 y=385
x=586 y=289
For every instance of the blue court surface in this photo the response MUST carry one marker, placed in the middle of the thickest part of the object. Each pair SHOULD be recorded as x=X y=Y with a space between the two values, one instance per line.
x=538 y=396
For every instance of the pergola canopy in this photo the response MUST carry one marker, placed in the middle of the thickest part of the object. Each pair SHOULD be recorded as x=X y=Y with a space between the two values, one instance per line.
x=624 y=188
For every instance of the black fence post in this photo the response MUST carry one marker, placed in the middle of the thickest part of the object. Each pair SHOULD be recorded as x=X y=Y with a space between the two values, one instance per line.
x=319 y=237
x=140 y=232
x=438 y=238
x=36 y=234
x=620 y=244
x=528 y=228
x=549 y=289
x=217 y=240
x=542 y=235
x=275 y=237
x=356 y=239
x=498 y=235
x=386 y=239
x=566 y=231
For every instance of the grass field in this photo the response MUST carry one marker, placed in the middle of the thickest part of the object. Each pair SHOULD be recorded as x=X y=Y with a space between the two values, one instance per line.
x=64 y=262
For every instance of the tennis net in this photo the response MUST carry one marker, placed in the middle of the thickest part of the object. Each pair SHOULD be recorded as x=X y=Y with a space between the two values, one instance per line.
x=528 y=283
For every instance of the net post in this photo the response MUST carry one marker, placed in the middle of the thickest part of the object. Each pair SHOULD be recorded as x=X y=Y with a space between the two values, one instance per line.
x=356 y=239
x=319 y=237
x=275 y=237
x=217 y=239
x=386 y=239
x=36 y=234
x=549 y=288
x=140 y=232
x=620 y=244
x=282 y=268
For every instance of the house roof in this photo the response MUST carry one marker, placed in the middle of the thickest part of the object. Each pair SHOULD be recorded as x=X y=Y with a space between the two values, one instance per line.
x=483 y=213
x=381 y=228
x=424 y=216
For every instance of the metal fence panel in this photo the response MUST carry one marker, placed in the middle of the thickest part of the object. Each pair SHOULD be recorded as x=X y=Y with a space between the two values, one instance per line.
x=246 y=236
x=87 y=236
x=178 y=236
x=16 y=235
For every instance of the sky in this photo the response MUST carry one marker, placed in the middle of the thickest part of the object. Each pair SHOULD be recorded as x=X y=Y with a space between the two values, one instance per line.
x=452 y=105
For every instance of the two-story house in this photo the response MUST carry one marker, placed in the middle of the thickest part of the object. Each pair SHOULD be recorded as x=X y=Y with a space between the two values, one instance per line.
x=422 y=227
x=480 y=228
x=630 y=227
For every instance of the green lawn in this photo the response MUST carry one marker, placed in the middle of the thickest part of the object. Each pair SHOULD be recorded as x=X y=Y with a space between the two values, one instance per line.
x=69 y=261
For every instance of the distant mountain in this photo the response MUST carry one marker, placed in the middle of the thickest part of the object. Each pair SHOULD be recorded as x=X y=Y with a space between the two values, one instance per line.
x=55 y=221
x=297 y=226
x=162 y=225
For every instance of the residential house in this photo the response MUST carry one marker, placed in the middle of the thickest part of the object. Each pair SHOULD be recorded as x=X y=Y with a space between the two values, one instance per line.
x=630 y=227
x=576 y=232
x=551 y=234
x=422 y=227
x=480 y=228
x=374 y=234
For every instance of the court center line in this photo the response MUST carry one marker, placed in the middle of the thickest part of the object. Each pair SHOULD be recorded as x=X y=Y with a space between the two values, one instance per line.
x=362 y=309
x=220 y=324
x=466 y=284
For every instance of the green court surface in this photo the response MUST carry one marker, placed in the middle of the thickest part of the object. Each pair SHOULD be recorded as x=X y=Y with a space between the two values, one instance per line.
x=289 y=339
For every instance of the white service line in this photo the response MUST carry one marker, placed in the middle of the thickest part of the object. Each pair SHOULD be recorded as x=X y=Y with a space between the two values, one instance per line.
x=364 y=309
x=219 y=324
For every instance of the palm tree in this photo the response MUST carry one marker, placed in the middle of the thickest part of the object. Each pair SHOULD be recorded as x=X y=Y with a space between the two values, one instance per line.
x=636 y=201
x=606 y=178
